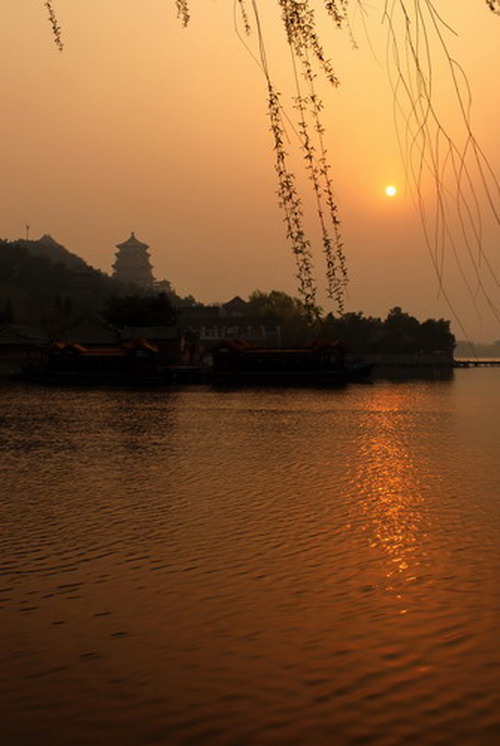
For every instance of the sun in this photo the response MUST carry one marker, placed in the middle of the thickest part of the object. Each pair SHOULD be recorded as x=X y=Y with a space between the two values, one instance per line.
x=391 y=190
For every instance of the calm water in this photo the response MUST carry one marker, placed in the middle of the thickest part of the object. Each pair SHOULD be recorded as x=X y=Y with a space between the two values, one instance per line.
x=280 y=567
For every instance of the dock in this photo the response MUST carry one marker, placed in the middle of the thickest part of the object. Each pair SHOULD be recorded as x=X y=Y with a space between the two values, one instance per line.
x=476 y=362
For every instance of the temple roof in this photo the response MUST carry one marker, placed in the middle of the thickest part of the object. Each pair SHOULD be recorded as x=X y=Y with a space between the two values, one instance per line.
x=132 y=243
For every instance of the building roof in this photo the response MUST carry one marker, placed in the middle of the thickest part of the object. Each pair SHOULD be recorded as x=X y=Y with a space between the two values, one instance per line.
x=119 y=350
x=91 y=330
x=132 y=243
x=220 y=316
x=236 y=305
x=135 y=345
x=22 y=335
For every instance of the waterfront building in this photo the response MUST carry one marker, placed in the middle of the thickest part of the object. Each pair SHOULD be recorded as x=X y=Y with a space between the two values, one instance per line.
x=230 y=320
x=19 y=346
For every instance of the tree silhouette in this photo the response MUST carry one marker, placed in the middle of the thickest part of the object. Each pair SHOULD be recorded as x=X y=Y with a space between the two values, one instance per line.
x=137 y=310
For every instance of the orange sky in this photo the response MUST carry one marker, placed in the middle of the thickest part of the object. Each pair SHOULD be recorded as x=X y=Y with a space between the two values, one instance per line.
x=143 y=125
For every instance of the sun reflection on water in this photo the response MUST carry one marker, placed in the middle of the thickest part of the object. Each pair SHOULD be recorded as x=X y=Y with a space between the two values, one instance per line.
x=390 y=495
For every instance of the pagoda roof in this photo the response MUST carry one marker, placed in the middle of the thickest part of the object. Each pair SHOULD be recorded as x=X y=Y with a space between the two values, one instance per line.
x=132 y=243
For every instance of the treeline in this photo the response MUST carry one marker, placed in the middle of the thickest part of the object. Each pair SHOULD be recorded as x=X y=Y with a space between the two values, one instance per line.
x=465 y=349
x=136 y=310
x=398 y=333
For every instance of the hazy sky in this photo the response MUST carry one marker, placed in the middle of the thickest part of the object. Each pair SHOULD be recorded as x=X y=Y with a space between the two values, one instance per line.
x=140 y=124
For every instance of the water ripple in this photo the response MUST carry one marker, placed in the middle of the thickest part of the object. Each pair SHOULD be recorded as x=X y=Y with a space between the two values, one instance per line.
x=248 y=567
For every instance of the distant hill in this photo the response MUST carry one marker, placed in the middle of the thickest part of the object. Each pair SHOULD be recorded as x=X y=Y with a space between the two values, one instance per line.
x=42 y=282
x=56 y=253
x=479 y=349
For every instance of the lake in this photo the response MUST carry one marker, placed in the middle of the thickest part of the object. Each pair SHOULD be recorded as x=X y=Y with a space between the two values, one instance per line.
x=278 y=567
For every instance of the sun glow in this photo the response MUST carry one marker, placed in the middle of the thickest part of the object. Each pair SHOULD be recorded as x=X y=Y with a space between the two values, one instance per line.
x=391 y=190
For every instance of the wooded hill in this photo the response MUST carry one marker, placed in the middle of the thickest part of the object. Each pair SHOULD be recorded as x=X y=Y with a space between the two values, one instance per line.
x=43 y=283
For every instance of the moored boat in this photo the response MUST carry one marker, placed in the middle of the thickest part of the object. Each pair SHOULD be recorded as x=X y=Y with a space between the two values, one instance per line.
x=320 y=363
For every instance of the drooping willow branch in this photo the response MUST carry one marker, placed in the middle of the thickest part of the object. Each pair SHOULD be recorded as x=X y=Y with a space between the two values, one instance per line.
x=458 y=170
x=56 y=29
x=183 y=11
x=291 y=205
x=444 y=147
x=319 y=170
x=244 y=17
x=299 y=24
x=461 y=174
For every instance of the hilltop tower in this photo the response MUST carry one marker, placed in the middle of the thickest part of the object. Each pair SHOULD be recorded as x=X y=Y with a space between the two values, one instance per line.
x=132 y=263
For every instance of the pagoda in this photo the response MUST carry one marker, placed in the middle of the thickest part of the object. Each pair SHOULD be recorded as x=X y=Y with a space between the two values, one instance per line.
x=132 y=263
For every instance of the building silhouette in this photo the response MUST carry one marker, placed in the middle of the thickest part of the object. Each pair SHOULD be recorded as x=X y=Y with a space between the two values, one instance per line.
x=132 y=265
